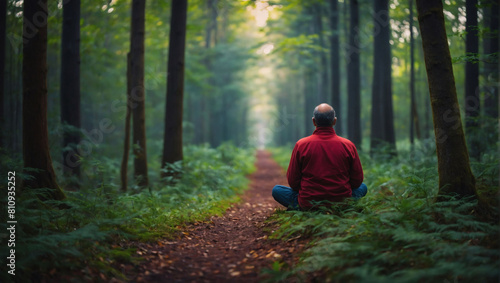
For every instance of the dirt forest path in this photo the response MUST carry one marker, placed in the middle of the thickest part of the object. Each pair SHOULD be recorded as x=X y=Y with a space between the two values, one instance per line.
x=231 y=248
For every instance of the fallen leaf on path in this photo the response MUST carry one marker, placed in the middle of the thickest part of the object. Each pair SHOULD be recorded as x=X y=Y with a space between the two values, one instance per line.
x=235 y=273
x=273 y=254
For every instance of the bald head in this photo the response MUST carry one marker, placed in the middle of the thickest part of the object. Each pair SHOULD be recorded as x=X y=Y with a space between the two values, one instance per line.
x=323 y=108
x=324 y=115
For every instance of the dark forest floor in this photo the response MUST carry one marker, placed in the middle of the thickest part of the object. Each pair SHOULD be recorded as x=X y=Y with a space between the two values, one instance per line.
x=231 y=248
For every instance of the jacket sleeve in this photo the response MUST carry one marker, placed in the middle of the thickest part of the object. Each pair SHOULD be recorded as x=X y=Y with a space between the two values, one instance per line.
x=294 y=172
x=356 y=172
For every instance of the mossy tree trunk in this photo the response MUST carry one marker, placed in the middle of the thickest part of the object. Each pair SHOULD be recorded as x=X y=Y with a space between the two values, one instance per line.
x=455 y=175
x=36 y=155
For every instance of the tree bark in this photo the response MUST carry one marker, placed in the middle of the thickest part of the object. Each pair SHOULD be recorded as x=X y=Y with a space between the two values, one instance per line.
x=490 y=86
x=353 y=77
x=137 y=93
x=126 y=143
x=36 y=155
x=172 y=145
x=335 y=61
x=491 y=66
x=213 y=107
x=3 y=34
x=382 y=127
x=308 y=101
x=455 y=175
x=413 y=108
x=323 y=67
x=70 y=86
x=206 y=123
x=472 y=101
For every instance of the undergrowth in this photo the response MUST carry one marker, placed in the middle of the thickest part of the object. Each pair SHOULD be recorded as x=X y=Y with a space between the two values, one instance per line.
x=87 y=234
x=397 y=233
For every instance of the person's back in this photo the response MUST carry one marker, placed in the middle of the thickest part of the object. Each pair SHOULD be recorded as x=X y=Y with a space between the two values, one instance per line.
x=323 y=166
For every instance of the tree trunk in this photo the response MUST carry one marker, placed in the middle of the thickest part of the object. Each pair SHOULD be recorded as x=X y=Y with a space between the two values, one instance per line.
x=386 y=90
x=12 y=134
x=137 y=93
x=335 y=60
x=422 y=88
x=455 y=175
x=309 y=100
x=172 y=145
x=491 y=72
x=491 y=65
x=3 y=34
x=414 y=120
x=353 y=77
x=205 y=99
x=36 y=155
x=126 y=144
x=472 y=101
x=70 y=86
x=213 y=102
x=214 y=130
x=323 y=67
x=382 y=127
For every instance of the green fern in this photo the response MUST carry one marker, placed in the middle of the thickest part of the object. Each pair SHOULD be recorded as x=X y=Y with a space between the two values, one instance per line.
x=397 y=233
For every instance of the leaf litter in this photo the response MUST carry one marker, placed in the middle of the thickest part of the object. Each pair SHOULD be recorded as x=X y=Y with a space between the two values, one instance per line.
x=232 y=248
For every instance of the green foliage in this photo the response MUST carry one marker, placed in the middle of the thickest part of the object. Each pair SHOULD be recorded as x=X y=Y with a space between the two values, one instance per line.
x=88 y=233
x=281 y=155
x=397 y=233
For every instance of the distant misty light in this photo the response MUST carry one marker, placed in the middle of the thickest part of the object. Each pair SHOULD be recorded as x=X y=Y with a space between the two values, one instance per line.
x=260 y=12
x=265 y=49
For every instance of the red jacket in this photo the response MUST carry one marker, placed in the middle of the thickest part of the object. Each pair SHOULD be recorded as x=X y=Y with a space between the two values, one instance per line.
x=324 y=166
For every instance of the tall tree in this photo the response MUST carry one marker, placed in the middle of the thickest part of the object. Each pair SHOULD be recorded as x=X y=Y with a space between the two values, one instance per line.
x=310 y=68
x=382 y=122
x=137 y=94
x=172 y=142
x=308 y=88
x=353 y=77
x=491 y=66
x=414 y=121
x=36 y=155
x=472 y=102
x=335 y=60
x=212 y=107
x=323 y=64
x=205 y=123
x=70 y=85
x=3 y=34
x=126 y=143
x=455 y=175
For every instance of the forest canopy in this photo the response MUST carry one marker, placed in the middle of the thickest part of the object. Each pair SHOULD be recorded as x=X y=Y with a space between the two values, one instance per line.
x=247 y=63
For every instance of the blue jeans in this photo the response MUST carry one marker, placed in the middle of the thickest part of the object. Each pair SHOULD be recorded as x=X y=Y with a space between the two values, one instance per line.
x=289 y=198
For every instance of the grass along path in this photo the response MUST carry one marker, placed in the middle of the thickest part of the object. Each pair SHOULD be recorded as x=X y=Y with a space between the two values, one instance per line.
x=231 y=248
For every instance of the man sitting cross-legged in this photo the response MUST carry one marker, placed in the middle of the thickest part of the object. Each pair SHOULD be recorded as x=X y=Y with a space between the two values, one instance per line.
x=323 y=167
